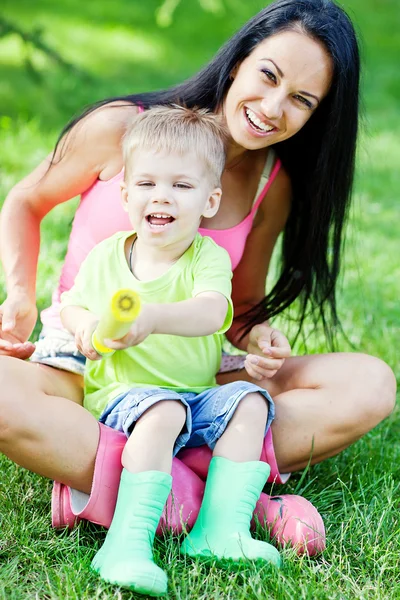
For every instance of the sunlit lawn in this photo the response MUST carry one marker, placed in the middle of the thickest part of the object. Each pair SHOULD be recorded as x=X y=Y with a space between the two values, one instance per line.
x=117 y=48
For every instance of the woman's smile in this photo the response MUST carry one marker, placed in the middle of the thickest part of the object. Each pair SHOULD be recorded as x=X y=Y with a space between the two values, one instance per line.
x=258 y=124
x=276 y=89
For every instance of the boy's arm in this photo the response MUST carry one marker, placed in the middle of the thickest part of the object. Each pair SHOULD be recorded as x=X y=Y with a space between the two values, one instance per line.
x=73 y=317
x=210 y=309
x=81 y=323
x=207 y=313
x=74 y=312
x=203 y=315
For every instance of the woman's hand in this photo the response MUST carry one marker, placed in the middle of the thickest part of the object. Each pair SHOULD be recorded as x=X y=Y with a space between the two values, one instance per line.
x=143 y=326
x=17 y=319
x=267 y=350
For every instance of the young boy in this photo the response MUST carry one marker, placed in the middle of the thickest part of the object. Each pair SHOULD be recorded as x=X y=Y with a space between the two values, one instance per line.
x=159 y=386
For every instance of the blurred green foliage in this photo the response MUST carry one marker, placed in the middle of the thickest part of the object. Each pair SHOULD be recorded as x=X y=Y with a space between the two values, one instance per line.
x=119 y=44
x=101 y=49
x=112 y=48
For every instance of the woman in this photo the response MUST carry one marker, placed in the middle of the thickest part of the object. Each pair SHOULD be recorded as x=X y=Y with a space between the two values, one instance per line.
x=287 y=84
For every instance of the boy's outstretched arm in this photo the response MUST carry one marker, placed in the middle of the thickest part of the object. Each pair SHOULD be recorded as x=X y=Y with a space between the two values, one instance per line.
x=81 y=323
x=204 y=314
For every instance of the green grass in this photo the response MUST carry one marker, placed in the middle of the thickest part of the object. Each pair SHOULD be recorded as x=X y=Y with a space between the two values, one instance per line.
x=117 y=48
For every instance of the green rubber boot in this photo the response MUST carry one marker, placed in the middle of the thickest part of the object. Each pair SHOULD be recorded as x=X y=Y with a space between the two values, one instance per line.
x=222 y=528
x=126 y=557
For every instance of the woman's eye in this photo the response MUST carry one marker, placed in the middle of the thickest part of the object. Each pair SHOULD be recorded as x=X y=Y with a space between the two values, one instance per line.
x=271 y=76
x=304 y=101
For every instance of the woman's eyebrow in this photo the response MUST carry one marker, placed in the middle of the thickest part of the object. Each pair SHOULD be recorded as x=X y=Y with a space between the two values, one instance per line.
x=276 y=66
x=281 y=74
x=311 y=95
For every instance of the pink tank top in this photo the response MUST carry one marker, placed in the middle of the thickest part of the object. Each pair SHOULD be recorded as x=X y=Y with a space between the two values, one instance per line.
x=100 y=215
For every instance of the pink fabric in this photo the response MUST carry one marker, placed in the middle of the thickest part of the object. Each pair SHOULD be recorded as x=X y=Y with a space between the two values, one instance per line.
x=182 y=506
x=100 y=215
x=198 y=460
x=234 y=238
x=290 y=520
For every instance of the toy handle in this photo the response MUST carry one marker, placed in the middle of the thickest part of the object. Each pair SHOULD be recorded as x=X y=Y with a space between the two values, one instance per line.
x=116 y=321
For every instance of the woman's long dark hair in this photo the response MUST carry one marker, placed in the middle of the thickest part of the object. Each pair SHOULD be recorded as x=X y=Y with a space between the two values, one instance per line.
x=319 y=159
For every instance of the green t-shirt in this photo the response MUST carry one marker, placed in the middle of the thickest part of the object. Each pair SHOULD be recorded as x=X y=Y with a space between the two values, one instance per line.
x=174 y=362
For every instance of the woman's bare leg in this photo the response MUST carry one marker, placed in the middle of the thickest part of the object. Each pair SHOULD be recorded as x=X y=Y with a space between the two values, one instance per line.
x=41 y=429
x=324 y=403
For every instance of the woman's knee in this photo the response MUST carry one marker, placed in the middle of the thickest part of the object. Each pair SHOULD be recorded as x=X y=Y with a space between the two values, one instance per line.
x=380 y=380
x=23 y=385
x=370 y=393
x=13 y=389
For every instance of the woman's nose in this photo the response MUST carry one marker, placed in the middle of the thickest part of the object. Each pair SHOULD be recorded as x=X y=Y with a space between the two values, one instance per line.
x=272 y=105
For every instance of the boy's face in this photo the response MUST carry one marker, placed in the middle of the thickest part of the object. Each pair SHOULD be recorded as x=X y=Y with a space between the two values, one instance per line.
x=167 y=195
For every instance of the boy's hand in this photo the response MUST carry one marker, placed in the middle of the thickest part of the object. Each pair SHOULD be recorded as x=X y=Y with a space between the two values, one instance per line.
x=267 y=350
x=83 y=336
x=143 y=327
x=17 y=320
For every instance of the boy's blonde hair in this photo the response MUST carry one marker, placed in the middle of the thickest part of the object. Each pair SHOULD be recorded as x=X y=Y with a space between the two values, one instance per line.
x=180 y=130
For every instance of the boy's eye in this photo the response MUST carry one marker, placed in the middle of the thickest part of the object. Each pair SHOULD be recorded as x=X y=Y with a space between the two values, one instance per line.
x=145 y=184
x=182 y=186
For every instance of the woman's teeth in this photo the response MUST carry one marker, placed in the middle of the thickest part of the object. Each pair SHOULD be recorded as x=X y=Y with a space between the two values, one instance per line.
x=254 y=120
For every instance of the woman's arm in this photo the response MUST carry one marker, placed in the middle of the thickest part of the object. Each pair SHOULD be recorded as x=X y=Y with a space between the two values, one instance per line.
x=82 y=157
x=267 y=348
x=249 y=278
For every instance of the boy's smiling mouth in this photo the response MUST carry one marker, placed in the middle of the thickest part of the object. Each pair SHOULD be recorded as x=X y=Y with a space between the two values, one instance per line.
x=159 y=219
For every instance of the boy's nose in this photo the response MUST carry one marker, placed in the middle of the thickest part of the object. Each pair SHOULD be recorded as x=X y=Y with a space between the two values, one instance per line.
x=161 y=200
x=161 y=196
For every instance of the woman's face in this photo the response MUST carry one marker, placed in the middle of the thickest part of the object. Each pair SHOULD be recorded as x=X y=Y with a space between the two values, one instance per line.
x=276 y=89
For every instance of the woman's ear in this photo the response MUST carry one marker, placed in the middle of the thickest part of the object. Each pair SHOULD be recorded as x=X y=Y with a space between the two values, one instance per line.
x=124 y=195
x=234 y=71
x=213 y=203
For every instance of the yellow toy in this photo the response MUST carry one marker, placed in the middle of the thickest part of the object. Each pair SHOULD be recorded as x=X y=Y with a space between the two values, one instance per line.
x=116 y=321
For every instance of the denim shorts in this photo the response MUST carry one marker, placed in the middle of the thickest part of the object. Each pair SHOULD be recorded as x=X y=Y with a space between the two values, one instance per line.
x=56 y=348
x=207 y=413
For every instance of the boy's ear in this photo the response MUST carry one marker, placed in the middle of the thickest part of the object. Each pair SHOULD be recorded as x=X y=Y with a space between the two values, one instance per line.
x=124 y=195
x=213 y=203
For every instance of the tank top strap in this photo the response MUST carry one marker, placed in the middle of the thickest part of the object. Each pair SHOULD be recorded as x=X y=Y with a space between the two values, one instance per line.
x=270 y=172
x=269 y=163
